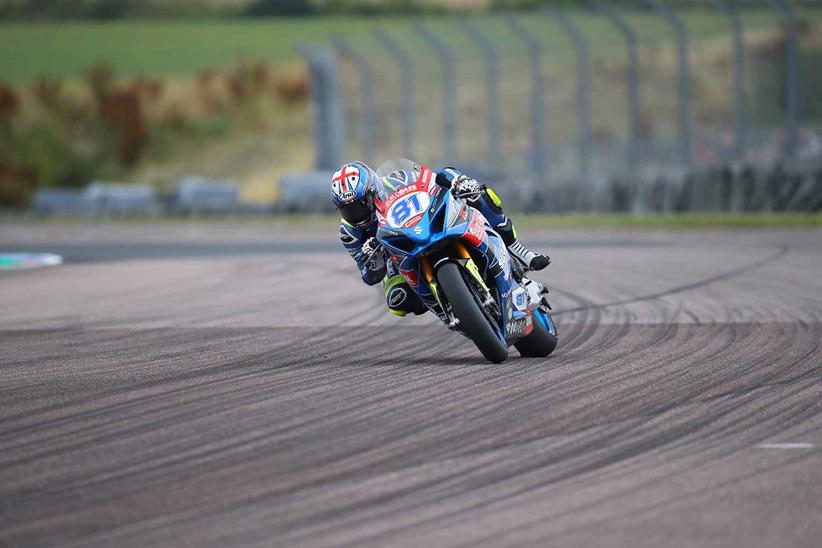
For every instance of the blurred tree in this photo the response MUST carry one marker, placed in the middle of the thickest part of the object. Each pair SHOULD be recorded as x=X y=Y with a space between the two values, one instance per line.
x=113 y=9
x=262 y=8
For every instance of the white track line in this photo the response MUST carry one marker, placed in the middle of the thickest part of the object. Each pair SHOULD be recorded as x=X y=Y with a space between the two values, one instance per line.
x=786 y=446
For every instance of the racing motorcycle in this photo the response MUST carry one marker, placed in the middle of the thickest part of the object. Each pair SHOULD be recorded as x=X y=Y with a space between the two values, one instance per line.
x=459 y=266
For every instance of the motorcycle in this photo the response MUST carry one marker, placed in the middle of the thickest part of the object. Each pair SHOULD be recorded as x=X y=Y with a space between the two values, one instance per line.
x=459 y=266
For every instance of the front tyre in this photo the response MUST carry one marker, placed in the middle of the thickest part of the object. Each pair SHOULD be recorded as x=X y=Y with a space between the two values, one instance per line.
x=473 y=321
x=543 y=338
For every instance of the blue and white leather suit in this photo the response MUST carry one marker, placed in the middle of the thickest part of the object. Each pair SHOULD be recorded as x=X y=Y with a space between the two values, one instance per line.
x=400 y=298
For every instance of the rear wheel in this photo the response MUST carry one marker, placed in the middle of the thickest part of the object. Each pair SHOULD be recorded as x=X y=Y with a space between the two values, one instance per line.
x=473 y=320
x=543 y=338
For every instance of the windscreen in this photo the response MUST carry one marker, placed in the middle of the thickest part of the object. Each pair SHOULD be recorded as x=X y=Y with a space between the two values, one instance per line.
x=395 y=174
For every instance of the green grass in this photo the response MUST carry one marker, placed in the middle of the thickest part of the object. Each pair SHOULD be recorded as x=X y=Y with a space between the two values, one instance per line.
x=29 y=50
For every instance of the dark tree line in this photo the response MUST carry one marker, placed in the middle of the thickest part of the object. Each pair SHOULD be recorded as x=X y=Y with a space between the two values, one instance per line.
x=123 y=9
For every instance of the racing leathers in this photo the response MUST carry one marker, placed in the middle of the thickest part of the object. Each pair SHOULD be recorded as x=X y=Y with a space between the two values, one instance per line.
x=375 y=264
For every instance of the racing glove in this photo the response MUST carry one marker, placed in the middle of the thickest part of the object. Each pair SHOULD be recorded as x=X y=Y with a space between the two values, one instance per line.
x=466 y=187
x=373 y=255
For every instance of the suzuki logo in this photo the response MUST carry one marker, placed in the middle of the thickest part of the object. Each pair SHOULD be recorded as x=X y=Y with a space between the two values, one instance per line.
x=418 y=230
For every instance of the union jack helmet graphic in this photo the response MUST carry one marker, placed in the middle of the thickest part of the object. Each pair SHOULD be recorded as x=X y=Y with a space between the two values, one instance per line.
x=351 y=192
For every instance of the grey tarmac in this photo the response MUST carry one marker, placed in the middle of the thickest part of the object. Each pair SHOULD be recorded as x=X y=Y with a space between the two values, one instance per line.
x=212 y=386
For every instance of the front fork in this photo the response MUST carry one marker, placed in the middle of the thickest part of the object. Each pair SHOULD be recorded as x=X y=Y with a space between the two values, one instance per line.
x=464 y=258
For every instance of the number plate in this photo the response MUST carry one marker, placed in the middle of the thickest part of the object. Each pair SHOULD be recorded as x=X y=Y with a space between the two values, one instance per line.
x=408 y=211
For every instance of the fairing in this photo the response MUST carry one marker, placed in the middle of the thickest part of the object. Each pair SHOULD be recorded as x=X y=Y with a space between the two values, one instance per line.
x=417 y=216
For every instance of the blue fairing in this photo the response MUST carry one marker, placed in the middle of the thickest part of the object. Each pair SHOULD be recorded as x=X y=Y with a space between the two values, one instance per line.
x=546 y=321
x=442 y=221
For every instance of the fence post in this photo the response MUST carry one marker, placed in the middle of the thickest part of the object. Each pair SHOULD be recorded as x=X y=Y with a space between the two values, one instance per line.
x=327 y=119
x=367 y=76
x=633 y=79
x=683 y=76
x=538 y=161
x=492 y=86
x=740 y=123
x=449 y=82
x=792 y=76
x=583 y=89
x=407 y=69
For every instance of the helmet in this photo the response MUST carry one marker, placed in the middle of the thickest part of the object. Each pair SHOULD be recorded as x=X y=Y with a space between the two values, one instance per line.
x=352 y=192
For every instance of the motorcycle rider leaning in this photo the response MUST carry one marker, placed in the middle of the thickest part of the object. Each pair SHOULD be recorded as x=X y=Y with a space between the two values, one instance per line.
x=352 y=192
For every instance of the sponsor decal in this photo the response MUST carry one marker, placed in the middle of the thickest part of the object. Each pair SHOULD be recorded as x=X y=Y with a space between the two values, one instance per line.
x=410 y=277
x=517 y=328
x=476 y=230
x=422 y=185
x=520 y=299
x=501 y=253
x=386 y=232
x=397 y=297
x=397 y=194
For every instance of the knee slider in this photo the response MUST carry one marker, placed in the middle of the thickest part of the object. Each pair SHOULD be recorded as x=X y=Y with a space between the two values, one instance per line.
x=401 y=301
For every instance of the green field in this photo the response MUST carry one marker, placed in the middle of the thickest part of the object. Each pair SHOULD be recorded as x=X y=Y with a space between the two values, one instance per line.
x=29 y=50
x=256 y=142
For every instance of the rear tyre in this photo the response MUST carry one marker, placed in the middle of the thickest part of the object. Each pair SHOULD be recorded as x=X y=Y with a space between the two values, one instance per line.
x=473 y=321
x=543 y=338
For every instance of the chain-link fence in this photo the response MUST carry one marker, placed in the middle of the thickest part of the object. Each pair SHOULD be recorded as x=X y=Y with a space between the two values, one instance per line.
x=580 y=104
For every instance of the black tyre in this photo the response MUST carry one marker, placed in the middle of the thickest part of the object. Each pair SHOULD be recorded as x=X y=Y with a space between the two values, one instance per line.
x=542 y=340
x=473 y=321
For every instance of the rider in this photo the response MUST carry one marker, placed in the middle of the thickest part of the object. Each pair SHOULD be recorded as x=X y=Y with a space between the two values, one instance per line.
x=352 y=188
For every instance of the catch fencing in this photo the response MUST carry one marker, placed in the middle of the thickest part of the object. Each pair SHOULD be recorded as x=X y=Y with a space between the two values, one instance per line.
x=579 y=108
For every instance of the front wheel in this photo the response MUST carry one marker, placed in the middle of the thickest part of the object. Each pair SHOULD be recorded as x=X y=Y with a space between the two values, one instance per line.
x=543 y=338
x=473 y=320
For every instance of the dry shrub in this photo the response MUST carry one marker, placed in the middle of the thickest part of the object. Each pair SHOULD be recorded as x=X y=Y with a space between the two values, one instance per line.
x=100 y=78
x=293 y=88
x=9 y=102
x=175 y=118
x=146 y=89
x=48 y=92
x=180 y=103
x=239 y=82
x=18 y=182
x=261 y=76
x=249 y=79
x=121 y=109
x=211 y=91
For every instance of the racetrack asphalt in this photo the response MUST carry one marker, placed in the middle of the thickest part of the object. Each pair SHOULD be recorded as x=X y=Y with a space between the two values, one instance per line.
x=214 y=386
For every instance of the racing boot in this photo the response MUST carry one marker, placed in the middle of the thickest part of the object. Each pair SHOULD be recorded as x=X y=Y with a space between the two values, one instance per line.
x=533 y=261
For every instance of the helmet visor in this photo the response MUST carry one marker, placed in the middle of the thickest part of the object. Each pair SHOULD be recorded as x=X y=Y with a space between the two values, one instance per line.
x=358 y=211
